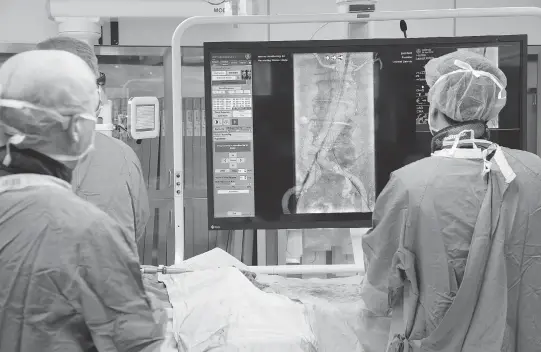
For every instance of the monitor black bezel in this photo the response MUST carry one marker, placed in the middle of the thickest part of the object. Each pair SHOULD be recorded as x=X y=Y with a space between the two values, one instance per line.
x=345 y=45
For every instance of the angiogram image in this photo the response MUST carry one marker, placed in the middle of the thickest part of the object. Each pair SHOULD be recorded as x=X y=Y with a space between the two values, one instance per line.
x=334 y=133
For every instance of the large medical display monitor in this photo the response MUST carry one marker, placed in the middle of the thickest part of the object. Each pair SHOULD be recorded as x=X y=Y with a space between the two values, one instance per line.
x=305 y=134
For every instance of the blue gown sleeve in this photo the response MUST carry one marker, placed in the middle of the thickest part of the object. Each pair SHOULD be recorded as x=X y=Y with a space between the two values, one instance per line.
x=380 y=244
x=111 y=295
x=139 y=193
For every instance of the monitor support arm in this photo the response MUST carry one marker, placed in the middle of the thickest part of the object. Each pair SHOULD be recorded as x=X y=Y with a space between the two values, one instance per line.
x=357 y=23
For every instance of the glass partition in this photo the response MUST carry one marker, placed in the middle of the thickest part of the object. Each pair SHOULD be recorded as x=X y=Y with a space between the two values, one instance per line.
x=140 y=72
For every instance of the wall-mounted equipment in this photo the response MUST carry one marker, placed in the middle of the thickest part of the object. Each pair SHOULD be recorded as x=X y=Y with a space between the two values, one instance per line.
x=144 y=117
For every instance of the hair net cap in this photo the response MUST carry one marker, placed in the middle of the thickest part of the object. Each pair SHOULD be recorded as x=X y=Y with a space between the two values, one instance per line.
x=465 y=86
x=41 y=92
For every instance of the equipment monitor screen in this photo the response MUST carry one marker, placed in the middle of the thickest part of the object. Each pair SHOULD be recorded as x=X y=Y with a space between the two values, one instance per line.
x=145 y=117
x=305 y=134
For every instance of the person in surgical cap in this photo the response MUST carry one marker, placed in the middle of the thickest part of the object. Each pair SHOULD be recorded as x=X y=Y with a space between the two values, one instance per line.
x=452 y=258
x=70 y=274
x=111 y=176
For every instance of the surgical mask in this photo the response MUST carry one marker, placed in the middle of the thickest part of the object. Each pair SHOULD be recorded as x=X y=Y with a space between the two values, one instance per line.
x=18 y=138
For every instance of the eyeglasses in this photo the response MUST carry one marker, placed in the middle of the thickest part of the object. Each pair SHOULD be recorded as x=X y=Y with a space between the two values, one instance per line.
x=101 y=80
x=100 y=103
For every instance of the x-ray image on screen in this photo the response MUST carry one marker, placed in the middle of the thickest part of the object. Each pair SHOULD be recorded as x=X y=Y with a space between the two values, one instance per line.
x=334 y=132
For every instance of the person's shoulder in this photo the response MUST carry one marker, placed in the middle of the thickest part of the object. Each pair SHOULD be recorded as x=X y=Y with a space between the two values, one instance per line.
x=115 y=146
x=527 y=168
x=523 y=157
x=111 y=142
x=526 y=165
x=416 y=172
x=423 y=162
x=112 y=149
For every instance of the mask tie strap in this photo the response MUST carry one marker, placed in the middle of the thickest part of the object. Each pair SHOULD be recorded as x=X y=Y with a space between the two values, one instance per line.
x=470 y=140
x=453 y=149
x=88 y=117
x=455 y=145
x=486 y=163
x=13 y=140
x=499 y=157
x=504 y=166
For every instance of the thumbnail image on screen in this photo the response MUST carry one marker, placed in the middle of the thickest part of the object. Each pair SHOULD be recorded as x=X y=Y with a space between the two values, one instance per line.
x=334 y=132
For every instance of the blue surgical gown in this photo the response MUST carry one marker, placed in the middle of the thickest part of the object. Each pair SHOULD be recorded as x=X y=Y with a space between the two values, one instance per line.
x=111 y=178
x=459 y=252
x=70 y=277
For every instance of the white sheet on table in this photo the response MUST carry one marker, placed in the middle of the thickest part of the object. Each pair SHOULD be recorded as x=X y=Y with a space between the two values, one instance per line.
x=330 y=313
x=335 y=306
x=221 y=310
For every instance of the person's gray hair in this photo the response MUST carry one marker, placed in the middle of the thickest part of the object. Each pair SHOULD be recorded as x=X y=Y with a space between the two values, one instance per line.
x=74 y=46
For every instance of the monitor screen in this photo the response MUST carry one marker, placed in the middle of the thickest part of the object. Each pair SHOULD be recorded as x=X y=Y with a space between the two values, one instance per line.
x=145 y=119
x=305 y=134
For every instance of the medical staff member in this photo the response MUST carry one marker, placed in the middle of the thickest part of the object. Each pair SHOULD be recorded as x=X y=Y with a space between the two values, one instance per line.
x=452 y=261
x=70 y=274
x=111 y=176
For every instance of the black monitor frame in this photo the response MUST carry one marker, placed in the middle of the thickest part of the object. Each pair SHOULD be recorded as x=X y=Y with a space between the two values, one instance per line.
x=344 y=45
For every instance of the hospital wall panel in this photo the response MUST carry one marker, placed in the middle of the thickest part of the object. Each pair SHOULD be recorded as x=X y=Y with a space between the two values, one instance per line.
x=160 y=31
x=416 y=28
x=25 y=21
x=500 y=25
